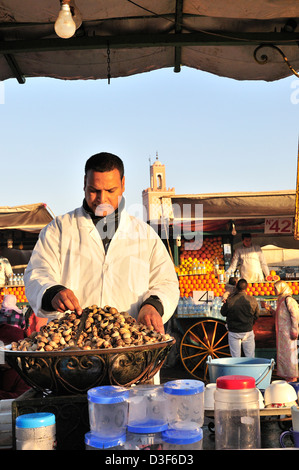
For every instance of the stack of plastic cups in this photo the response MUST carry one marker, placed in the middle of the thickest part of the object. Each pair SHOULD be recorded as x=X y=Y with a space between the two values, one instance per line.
x=185 y=409
x=108 y=417
x=147 y=418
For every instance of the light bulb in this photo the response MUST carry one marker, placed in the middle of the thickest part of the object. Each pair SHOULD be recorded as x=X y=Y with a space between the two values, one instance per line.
x=65 y=26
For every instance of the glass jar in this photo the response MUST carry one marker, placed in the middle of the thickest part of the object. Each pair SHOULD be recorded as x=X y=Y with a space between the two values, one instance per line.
x=237 y=418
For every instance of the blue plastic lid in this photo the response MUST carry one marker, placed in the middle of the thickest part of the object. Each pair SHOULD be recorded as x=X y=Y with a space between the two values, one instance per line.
x=35 y=420
x=98 y=442
x=184 y=387
x=182 y=436
x=108 y=394
x=150 y=426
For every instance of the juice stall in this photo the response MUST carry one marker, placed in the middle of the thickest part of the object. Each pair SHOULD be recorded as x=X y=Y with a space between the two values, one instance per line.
x=203 y=249
x=19 y=230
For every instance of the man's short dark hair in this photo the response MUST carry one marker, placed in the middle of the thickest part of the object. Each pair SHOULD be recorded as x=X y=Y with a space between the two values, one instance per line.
x=103 y=162
x=241 y=285
x=246 y=235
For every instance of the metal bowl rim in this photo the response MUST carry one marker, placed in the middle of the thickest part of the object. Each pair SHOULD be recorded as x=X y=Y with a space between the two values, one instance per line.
x=86 y=352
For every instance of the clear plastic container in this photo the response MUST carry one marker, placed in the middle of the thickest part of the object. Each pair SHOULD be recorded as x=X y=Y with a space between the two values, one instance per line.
x=108 y=410
x=36 y=431
x=185 y=404
x=143 y=437
x=147 y=408
x=237 y=418
x=176 y=439
x=94 y=442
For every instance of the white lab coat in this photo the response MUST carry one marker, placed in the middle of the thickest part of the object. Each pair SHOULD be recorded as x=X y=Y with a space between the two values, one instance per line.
x=70 y=252
x=252 y=262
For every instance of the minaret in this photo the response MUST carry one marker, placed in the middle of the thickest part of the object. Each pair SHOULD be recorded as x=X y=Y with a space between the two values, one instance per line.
x=157 y=198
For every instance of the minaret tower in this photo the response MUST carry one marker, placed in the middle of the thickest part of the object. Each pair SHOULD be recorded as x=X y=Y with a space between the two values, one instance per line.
x=157 y=198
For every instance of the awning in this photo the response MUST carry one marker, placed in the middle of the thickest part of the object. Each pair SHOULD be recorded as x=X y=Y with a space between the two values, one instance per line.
x=30 y=218
x=240 y=39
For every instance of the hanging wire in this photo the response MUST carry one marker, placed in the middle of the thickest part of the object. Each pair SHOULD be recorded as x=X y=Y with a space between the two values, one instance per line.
x=108 y=64
x=264 y=58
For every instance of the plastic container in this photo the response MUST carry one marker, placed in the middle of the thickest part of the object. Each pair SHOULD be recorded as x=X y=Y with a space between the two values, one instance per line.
x=147 y=408
x=176 y=439
x=94 y=442
x=185 y=404
x=36 y=431
x=237 y=418
x=258 y=368
x=143 y=437
x=108 y=410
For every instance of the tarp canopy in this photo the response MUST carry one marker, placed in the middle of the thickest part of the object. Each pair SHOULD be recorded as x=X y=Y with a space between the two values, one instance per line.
x=246 y=210
x=240 y=39
x=29 y=218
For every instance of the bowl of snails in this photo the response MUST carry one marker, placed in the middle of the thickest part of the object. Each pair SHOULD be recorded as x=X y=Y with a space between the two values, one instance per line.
x=102 y=346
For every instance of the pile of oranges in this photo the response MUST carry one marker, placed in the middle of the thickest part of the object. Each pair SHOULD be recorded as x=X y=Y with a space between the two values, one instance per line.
x=200 y=252
x=202 y=282
x=18 y=291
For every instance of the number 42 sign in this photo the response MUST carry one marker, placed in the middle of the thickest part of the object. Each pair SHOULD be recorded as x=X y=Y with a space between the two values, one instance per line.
x=283 y=225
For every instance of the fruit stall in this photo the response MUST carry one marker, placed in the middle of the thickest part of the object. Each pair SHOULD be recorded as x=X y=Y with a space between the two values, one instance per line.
x=202 y=261
x=19 y=230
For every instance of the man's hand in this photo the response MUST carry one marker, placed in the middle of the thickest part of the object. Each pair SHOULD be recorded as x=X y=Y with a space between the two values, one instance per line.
x=149 y=316
x=66 y=300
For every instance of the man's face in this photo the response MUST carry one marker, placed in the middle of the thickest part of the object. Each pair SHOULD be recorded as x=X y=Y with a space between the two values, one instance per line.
x=247 y=242
x=103 y=188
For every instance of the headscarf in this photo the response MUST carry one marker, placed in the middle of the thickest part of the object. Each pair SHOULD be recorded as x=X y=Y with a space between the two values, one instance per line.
x=283 y=288
x=10 y=303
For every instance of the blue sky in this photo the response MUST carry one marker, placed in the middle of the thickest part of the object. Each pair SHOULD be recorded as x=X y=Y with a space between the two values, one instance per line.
x=213 y=134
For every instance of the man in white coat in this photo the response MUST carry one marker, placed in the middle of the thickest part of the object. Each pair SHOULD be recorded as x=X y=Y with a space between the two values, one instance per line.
x=99 y=254
x=253 y=266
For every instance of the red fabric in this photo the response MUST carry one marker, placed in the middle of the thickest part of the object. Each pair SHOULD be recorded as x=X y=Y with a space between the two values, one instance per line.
x=35 y=323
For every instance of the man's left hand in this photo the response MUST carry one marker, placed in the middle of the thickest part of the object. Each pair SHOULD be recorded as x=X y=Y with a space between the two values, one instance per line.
x=149 y=316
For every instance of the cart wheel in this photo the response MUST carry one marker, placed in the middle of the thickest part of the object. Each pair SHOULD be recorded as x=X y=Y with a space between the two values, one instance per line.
x=206 y=338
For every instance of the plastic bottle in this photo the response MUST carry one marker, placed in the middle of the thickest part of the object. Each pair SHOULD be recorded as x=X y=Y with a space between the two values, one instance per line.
x=237 y=419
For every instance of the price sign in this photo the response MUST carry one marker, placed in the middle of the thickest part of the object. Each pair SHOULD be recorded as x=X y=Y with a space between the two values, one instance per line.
x=283 y=225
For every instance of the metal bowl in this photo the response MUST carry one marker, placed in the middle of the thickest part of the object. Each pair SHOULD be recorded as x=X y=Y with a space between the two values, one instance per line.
x=74 y=370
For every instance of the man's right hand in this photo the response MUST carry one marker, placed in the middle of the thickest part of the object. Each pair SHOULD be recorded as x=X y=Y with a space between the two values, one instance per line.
x=66 y=300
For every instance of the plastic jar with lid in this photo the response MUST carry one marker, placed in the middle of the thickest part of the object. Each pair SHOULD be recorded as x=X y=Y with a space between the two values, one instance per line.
x=179 y=439
x=95 y=442
x=185 y=404
x=36 y=431
x=147 y=407
x=108 y=410
x=146 y=437
x=237 y=417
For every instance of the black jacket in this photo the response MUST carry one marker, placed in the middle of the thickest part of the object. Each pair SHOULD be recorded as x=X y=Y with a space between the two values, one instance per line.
x=241 y=311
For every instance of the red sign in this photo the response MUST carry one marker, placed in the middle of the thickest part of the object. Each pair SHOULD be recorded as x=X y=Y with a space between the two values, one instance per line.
x=283 y=225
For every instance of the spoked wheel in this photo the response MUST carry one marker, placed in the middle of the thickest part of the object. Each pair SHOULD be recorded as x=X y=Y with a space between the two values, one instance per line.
x=206 y=338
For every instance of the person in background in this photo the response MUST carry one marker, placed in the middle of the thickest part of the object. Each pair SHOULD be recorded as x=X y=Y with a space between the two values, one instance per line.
x=230 y=288
x=241 y=311
x=10 y=313
x=12 y=325
x=286 y=317
x=253 y=266
x=5 y=270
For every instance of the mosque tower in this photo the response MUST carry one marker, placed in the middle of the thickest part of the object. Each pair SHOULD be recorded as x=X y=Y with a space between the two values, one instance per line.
x=157 y=199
